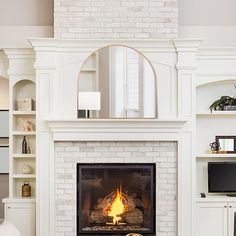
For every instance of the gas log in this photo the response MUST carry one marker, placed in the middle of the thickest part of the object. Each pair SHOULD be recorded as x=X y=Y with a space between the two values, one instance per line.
x=131 y=214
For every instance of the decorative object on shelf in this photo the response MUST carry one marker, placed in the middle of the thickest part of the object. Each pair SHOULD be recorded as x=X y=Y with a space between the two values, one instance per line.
x=27 y=169
x=25 y=104
x=28 y=150
x=27 y=125
x=225 y=103
x=89 y=101
x=227 y=143
x=215 y=146
x=203 y=195
x=24 y=145
x=26 y=189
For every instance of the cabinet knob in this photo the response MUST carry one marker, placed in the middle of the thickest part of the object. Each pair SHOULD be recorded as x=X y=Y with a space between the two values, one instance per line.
x=8 y=207
x=225 y=206
x=230 y=206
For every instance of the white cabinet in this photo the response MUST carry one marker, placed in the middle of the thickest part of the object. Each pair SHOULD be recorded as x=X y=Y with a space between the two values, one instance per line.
x=211 y=219
x=215 y=219
x=231 y=219
x=22 y=215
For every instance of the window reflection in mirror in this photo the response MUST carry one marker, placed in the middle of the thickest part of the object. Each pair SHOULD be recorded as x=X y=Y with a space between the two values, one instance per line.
x=117 y=82
x=227 y=144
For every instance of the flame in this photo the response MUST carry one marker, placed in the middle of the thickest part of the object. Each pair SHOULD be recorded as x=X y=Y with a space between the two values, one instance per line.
x=117 y=207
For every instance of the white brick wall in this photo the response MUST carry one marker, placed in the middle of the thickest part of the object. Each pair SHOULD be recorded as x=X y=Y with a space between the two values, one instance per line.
x=115 y=19
x=67 y=154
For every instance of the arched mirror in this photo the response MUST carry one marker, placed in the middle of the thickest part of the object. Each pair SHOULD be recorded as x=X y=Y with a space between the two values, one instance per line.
x=117 y=82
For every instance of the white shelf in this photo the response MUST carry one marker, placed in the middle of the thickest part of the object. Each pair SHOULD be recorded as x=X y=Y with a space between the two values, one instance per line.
x=23 y=176
x=88 y=70
x=24 y=133
x=23 y=156
x=220 y=198
x=24 y=112
x=216 y=113
x=227 y=155
x=19 y=199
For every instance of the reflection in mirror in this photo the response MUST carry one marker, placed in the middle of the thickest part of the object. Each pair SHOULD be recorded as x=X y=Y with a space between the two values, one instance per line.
x=227 y=144
x=117 y=82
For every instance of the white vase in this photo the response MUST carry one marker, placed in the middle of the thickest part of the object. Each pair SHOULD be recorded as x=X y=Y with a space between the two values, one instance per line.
x=27 y=169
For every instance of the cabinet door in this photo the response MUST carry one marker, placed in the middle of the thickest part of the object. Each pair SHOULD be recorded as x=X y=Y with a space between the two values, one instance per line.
x=232 y=219
x=22 y=216
x=211 y=219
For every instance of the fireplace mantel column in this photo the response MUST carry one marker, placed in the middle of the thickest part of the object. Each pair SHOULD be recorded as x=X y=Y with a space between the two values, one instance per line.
x=46 y=91
x=186 y=67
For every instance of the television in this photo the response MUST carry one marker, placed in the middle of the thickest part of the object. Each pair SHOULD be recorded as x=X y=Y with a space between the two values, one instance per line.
x=221 y=177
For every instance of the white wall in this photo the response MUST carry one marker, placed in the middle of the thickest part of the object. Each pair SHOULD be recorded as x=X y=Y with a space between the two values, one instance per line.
x=26 y=12
x=207 y=12
x=23 y=19
x=212 y=20
x=4 y=93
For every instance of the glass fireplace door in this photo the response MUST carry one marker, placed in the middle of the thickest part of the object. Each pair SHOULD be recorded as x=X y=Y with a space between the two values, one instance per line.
x=115 y=198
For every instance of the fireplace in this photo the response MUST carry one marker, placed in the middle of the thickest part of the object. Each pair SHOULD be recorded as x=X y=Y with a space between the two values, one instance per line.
x=116 y=198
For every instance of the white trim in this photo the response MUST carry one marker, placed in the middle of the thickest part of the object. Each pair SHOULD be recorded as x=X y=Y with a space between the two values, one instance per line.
x=82 y=45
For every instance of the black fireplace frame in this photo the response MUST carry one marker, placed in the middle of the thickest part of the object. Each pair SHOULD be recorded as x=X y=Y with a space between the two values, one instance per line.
x=152 y=167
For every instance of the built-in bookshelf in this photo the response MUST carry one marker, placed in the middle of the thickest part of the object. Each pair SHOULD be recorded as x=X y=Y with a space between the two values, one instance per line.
x=210 y=124
x=22 y=124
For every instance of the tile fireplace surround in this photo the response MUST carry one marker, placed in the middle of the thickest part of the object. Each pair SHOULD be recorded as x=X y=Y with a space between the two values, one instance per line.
x=67 y=154
x=63 y=140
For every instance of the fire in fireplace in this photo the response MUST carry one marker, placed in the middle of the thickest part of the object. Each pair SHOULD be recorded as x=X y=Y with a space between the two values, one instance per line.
x=116 y=198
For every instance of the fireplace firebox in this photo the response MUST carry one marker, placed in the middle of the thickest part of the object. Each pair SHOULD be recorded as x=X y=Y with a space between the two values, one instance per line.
x=116 y=199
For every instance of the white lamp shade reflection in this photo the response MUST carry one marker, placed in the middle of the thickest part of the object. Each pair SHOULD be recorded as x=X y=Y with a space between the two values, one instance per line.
x=89 y=101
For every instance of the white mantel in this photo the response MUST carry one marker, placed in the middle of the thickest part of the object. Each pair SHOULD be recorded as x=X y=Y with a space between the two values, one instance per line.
x=117 y=129
x=58 y=63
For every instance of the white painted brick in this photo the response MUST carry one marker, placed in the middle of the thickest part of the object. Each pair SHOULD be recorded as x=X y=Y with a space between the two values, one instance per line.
x=124 y=154
x=94 y=144
x=151 y=154
x=94 y=154
x=145 y=149
x=116 y=149
x=92 y=11
x=161 y=153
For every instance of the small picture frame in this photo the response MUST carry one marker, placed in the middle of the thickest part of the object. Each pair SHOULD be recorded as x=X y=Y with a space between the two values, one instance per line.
x=227 y=143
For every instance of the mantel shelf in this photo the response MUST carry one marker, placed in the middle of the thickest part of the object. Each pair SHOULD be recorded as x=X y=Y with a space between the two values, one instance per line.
x=115 y=123
x=118 y=129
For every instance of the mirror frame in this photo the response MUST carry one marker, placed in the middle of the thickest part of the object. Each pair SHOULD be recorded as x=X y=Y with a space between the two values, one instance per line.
x=154 y=73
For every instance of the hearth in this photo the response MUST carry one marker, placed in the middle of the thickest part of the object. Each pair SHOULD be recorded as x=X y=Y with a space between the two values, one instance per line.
x=116 y=199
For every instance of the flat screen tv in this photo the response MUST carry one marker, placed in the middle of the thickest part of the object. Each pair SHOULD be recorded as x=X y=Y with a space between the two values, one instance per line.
x=221 y=177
